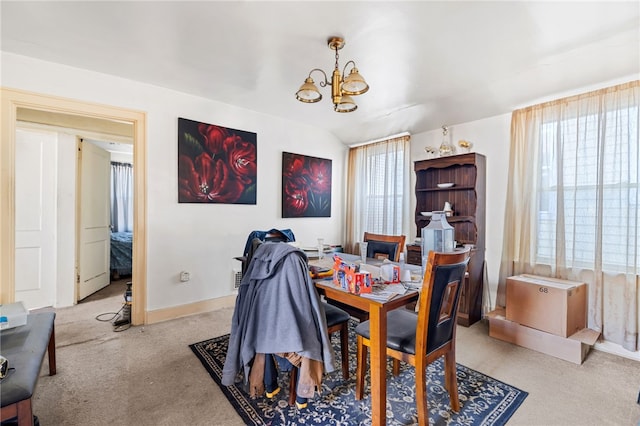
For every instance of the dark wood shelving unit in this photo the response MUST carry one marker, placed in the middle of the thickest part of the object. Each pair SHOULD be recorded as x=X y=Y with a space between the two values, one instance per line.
x=467 y=197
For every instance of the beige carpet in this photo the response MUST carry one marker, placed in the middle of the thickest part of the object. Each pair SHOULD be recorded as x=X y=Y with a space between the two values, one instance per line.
x=149 y=376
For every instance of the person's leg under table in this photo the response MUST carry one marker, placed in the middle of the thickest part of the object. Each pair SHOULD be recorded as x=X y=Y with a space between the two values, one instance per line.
x=270 y=376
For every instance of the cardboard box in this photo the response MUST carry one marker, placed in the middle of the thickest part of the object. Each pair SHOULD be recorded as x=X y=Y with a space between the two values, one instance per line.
x=573 y=348
x=12 y=315
x=548 y=304
x=359 y=282
x=349 y=277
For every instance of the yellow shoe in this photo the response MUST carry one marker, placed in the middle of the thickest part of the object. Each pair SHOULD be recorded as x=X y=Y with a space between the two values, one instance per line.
x=300 y=406
x=274 y=393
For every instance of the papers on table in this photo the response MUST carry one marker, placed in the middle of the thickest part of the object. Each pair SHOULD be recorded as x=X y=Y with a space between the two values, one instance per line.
x=412 y=285
x=384 y=292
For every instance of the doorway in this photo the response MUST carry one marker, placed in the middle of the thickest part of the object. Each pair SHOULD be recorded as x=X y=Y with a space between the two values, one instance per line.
x=12 y=100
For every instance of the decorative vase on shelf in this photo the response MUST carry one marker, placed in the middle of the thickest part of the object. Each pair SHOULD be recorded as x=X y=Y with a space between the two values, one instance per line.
x=446 y=148
x=465 y=145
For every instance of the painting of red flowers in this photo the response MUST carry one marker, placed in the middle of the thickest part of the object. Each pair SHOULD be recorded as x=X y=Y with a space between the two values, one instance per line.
x=215 y=164
x=306 y=186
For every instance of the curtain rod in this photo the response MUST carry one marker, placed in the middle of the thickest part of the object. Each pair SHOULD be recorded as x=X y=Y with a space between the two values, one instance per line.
x=398 y=135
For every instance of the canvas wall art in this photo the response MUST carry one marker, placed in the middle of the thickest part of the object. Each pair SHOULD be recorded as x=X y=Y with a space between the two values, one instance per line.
x=216 y=164
x=306 y=186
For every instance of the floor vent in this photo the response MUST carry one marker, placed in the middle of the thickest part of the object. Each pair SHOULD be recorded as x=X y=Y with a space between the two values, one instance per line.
x=237 y=278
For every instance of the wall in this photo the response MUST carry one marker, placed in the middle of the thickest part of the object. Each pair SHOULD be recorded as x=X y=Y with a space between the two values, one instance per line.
x=201 y=239
x=120 y=157
x=204 y=238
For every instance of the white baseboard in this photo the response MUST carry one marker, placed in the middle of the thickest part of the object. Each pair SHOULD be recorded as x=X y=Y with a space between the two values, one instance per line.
x=203 y=306
x=615 y=349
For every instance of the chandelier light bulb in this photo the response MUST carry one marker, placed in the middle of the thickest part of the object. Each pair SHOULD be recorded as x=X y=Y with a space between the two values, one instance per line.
x=308 y=92
x=354 y=83
x=346 y=104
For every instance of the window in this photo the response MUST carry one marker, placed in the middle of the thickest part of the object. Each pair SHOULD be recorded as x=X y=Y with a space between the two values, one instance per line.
x=572 y=202
x=378 y=189
x=595 y=162
x=384 y=192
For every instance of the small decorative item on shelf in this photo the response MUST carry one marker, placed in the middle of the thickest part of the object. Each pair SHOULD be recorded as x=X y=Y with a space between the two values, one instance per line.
x=445 y=185
x=448 y=211
x=466 y=145
x=445 y=147
x=431 y=151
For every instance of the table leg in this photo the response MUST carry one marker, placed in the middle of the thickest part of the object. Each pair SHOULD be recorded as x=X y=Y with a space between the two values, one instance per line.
x=51 y=349
x=378 y=354
x=25 y=413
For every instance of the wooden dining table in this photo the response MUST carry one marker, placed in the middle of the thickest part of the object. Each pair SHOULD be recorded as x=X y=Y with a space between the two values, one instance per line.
x=378 y=327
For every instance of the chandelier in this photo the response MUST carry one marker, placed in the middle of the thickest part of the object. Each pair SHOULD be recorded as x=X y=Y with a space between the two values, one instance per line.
x=342 y=88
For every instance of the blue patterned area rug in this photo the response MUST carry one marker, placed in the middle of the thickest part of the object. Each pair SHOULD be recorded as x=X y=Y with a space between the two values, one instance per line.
x=483 y=400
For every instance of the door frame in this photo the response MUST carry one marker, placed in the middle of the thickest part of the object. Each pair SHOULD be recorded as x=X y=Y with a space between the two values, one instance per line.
x=11 y=100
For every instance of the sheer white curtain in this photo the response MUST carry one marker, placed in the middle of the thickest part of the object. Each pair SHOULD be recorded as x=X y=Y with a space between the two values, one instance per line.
x=121 y=197
x=378 y=180
x=572 y=202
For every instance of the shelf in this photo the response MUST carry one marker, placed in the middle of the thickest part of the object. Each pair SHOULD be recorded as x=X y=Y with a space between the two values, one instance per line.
x=467 y=197
x=450 y=219
x=453 y=188
x=444 y=162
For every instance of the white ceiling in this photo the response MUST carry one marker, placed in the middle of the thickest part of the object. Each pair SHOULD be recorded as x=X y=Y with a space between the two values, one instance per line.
x=428 y=63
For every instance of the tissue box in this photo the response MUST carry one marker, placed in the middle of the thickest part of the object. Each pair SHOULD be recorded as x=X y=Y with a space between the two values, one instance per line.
x=350 y=278
x=390 y=273
x=359 y=282
x=12 y=315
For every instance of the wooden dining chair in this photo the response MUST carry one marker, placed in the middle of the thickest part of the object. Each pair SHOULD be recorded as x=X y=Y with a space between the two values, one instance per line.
x=337 y=321
x=384 y=246
x=421 y=338
x=379 y=246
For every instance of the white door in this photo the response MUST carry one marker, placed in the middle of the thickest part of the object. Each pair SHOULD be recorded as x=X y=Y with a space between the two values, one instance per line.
x=35 y=184
x=94 y=227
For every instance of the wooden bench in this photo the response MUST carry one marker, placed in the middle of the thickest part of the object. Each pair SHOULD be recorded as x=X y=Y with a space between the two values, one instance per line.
x=24 y=347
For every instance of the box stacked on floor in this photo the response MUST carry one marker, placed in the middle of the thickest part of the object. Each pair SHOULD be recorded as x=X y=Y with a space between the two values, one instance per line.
x=548 y=315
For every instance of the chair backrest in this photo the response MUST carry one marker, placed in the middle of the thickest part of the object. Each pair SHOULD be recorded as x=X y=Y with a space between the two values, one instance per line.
x=256 y=237
x=441 y=288
x=285 y=235
x=386 y=246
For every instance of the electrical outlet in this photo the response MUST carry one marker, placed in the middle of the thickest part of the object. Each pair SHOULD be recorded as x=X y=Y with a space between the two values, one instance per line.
x=185 y=276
